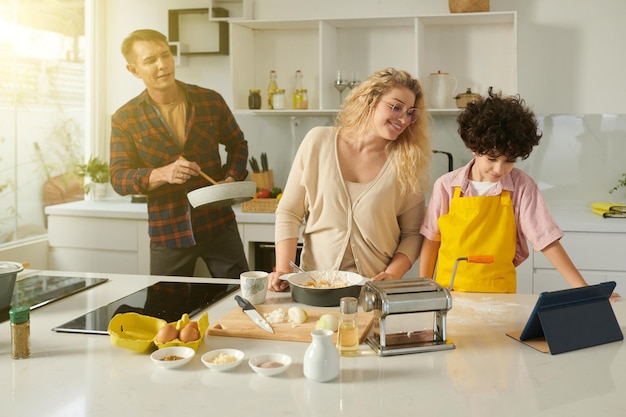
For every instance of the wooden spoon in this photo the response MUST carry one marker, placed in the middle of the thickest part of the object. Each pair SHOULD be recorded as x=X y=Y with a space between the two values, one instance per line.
x=202 y=174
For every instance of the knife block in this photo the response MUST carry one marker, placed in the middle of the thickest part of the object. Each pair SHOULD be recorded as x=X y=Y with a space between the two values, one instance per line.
x=263 y=179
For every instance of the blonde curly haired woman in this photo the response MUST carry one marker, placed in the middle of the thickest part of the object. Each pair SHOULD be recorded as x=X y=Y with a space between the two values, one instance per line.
x=359 y=186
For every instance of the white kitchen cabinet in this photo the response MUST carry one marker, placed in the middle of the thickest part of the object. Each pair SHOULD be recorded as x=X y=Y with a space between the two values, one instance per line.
x=112 y=236
x=89 y=236
x=478 y=49
x=599 y=256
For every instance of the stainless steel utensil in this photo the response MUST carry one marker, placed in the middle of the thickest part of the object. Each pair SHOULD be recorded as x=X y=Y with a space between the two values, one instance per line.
x=254 y=315
x=293 y=265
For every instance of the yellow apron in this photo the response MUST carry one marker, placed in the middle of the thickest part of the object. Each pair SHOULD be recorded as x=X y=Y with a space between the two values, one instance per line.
x=483 y=225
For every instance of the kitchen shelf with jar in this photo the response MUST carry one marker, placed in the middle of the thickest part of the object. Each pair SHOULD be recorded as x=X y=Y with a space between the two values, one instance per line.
x=479 y=49
x=289 y=112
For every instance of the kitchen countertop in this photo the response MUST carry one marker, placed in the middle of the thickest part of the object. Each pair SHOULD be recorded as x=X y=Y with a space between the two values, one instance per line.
x=571 y=216
x=122 y=208
x=574 y=218
x=488 y=374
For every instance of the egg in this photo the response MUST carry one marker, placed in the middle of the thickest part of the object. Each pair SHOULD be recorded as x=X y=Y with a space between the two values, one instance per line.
x=189 y=333
x=166 y=334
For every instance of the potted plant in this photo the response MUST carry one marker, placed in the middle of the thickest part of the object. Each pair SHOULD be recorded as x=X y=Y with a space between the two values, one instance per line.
x=621 y=183
x=97 y=170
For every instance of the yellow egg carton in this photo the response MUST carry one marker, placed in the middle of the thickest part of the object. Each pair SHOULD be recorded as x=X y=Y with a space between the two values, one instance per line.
x=137 y=332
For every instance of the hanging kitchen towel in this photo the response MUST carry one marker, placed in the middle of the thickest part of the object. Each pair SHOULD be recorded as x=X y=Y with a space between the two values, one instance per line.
x=606 y=206
x=608 y=210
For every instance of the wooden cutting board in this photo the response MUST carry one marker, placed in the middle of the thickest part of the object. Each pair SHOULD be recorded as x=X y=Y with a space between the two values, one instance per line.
x=237 y=324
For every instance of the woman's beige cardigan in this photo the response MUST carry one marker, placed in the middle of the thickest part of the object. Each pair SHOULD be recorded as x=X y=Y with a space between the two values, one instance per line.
x=377 y=225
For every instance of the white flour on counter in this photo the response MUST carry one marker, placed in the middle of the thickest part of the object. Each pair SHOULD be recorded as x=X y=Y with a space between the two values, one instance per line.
x=490 y=312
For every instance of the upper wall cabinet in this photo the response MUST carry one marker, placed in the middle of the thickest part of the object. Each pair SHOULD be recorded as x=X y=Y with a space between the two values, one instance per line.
x=477 y=49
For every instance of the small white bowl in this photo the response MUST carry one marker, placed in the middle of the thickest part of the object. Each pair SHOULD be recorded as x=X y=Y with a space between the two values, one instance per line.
x=185 y=353
x=257 y=363
x=209 y=356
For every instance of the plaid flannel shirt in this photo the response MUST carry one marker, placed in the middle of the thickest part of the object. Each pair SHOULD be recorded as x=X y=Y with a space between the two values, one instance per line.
x=142 y=141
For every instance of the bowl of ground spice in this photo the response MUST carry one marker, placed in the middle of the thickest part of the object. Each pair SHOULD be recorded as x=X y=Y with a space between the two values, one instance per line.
x=172 y=357
x=270 y=364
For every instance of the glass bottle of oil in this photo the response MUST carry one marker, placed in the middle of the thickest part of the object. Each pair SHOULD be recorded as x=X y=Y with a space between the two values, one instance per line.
x=297 y=90
x=271 y=89
x=348 y=332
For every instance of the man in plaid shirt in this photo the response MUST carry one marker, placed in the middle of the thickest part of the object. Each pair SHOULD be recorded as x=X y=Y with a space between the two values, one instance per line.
x=150 y=134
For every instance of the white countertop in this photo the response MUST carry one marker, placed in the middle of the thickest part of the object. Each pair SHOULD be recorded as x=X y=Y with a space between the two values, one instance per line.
x=122 y=208
x=571 y=216
x=114 y=208
x=488 y=374
x=574 y=218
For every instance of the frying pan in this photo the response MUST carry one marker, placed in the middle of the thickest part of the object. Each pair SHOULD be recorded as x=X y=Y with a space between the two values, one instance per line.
x=323 y=297
x=221 y=195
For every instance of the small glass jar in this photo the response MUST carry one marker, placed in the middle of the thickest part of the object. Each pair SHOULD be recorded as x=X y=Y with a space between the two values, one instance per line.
x=348 y=332
x=20 y=332
x=254 y=99
x=301 y=99
x=278 y=99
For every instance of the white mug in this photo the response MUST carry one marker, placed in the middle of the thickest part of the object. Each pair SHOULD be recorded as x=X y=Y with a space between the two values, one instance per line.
x=254 y=286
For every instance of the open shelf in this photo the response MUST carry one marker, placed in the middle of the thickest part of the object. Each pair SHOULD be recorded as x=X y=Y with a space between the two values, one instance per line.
x=478 y=49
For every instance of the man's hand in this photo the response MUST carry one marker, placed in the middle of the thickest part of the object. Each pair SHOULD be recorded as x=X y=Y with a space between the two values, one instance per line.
x=178 y=172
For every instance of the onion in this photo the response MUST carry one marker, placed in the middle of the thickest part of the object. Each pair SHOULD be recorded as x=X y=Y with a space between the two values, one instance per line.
x=327 y=322
x=297 y=315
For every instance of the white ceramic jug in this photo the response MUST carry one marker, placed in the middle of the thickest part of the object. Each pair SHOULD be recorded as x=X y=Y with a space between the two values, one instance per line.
x=321 y=359
x=441 y=90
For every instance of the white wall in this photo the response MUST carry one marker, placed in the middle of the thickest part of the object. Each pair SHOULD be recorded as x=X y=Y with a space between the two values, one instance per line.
x=570 y=57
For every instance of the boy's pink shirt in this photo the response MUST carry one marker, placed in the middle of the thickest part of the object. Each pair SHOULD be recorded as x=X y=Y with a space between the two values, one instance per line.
x=532 y=217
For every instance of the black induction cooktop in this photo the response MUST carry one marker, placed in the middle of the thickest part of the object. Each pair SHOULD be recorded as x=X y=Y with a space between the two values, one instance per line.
x=38 y=290
x=165 y=300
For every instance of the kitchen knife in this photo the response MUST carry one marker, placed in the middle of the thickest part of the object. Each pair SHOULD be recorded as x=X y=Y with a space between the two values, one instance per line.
x=254 y=315
x=254 y=165
x=264 y=164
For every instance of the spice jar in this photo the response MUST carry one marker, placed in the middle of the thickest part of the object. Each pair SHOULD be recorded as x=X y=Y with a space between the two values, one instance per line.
x=20 y=332
x=278 y=99
x=348 y=332
x=301 y=99
x=254 y=99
